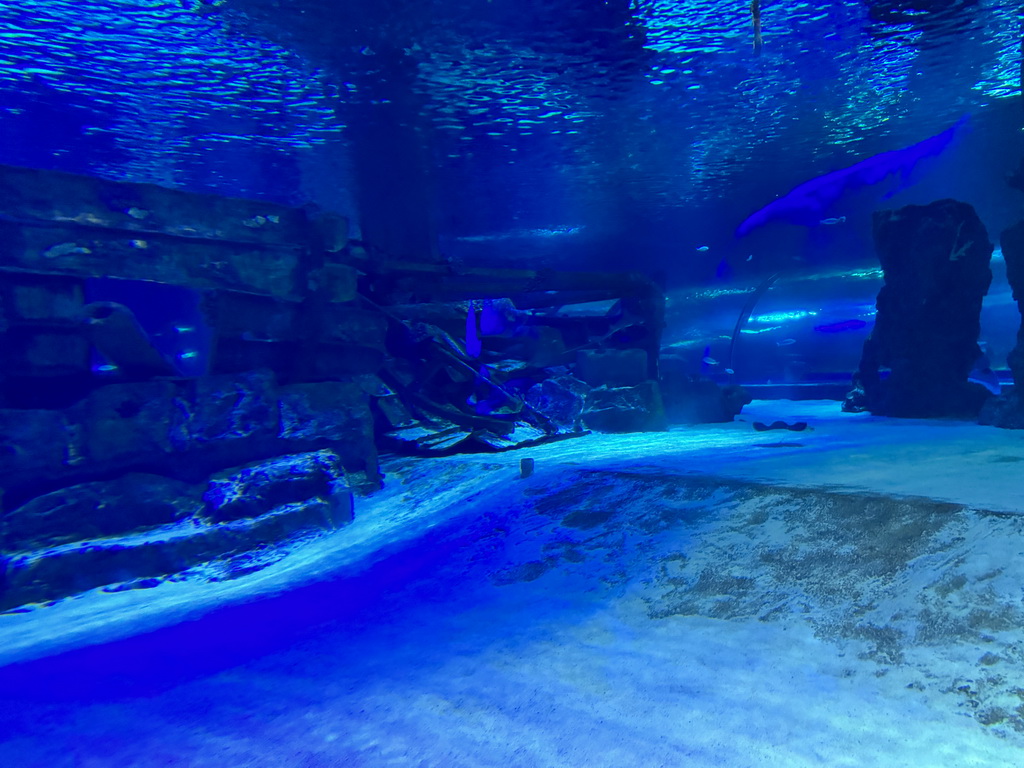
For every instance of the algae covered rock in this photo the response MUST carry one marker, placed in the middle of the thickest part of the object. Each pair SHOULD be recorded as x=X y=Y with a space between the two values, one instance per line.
x=139 y=529
x=260 y=487
x=132 y=502
x=561 y=399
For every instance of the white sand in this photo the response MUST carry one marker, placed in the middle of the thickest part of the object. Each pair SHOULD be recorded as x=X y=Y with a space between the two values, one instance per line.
x=635 y=603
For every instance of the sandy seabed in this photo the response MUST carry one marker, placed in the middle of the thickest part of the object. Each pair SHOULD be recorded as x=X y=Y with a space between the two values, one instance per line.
x=850 y=595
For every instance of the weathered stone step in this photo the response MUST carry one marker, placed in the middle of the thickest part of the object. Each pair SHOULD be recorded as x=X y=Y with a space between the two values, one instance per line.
x=142 y=527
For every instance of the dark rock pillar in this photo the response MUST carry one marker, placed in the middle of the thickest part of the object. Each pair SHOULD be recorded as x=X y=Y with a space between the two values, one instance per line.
x=936 y=264
x=1008 y=411
x=1012 y=242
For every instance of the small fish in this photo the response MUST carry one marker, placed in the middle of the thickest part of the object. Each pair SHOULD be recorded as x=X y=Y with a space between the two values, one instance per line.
x=834 y=220
x=703 y=248
x=730 y=371
x=785 y=342
x=65 y=249
x=708 y=360
x=750 y=257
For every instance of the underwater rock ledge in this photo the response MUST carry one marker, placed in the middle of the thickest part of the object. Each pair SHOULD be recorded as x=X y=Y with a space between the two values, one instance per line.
x=144 y=481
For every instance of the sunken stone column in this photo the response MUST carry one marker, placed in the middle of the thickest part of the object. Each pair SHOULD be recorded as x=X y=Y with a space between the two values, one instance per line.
x=935 y=259
x=1008 y=411
x=1012 y=242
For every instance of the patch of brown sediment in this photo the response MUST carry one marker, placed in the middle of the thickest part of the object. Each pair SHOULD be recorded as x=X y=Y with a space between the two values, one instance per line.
x=910 y=586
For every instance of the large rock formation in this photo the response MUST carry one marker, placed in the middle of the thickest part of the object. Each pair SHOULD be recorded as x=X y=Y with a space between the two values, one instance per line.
x=1008 y=411
x=145 y=481
x=138 y=530
x=694 y=399
x=925 y=342
x=191 y=384
x=185 y=430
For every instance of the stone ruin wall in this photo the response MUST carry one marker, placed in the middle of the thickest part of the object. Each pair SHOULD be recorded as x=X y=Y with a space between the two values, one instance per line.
x=123 y=481
x=321 y=351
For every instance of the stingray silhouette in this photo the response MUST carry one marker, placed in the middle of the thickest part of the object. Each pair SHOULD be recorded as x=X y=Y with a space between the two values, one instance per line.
x=807 y=202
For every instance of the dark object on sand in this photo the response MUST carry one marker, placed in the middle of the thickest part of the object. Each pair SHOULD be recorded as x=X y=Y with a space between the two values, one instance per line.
x=798 y=426
x=1007 y=411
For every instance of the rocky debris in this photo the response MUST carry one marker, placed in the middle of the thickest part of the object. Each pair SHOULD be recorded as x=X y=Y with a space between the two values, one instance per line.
x=252 y=490
x=1006 y=411
x=438 y=398
x=123 y=425
x=612 y=367
x=694 y=399
x=626 y=409
x=562 y=399
x=25 y=457
x=299 y=349
x=441 y=438
x=103 y=466
x=185 y=429
x=132 y=502
x=139 y=528
x=470 y=348
x=226 y=408
x=924 y=344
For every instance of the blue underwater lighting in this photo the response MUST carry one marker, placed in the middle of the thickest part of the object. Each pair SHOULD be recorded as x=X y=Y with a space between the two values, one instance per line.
x=512 y=383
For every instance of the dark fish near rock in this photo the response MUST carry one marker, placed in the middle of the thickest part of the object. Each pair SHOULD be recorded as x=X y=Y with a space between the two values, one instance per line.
x=117 y=335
